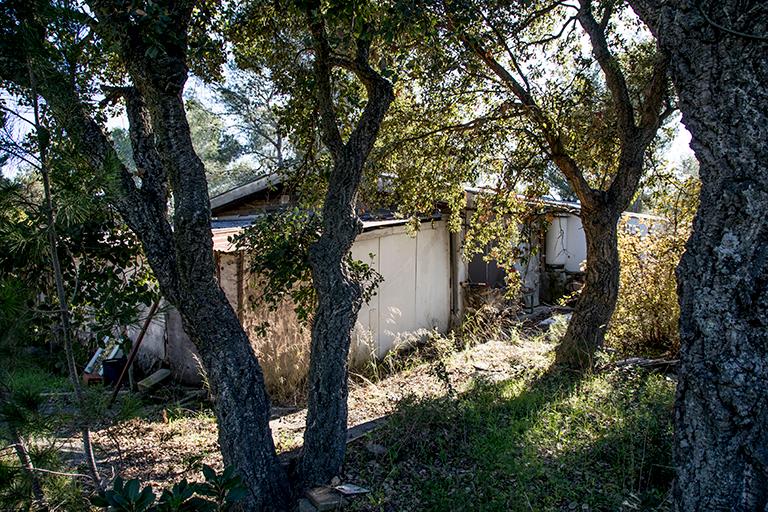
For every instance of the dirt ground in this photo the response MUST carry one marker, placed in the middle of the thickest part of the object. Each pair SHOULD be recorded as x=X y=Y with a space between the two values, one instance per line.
x=170 y=442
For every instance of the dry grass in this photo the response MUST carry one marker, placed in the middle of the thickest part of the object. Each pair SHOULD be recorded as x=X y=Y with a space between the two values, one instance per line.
x=170 y=443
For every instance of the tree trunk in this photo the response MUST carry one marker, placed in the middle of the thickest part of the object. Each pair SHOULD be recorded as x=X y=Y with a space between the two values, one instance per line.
x=181 y=256
x=240 y=400
x=65 y=327
x=237 y=383
x=339 y=296
x=339 y=299
x=721 y=412
x=22 y=453
x=593 y=311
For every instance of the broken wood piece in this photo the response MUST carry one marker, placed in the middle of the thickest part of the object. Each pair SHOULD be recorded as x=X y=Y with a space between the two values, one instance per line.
x=353 y=434
x=325 y=498
x=154 y=379
x=365 y=428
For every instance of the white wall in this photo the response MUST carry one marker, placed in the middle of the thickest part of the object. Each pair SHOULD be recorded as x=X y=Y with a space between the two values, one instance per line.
x=567 y=244
x=415 y=295
x=576 y=246
x=557 y=241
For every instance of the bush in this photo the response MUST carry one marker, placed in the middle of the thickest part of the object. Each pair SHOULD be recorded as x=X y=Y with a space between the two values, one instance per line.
x=218 y=493
x=647 y=314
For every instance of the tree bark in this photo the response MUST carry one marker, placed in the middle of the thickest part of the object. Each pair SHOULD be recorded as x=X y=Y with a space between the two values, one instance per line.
x=237 y=383
x=339 y=296
x=720 y=69
x=339 y=299
x=597 y=300
x=181 y=256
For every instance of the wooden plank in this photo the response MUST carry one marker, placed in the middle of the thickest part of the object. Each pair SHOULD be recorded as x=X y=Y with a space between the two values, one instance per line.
x=154 y=379
x=325 y=498
x=353 y=434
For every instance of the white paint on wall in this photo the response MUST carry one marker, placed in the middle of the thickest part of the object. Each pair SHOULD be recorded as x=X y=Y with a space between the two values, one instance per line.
x=557 y=241
x=576 y=246
x=415 y=295
x=433 y=291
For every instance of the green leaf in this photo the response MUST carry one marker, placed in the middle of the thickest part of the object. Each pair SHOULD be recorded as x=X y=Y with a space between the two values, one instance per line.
x=209 y=473
x=132 y=489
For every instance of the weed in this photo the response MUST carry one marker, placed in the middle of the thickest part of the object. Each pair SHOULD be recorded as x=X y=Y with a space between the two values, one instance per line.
x=540 y=441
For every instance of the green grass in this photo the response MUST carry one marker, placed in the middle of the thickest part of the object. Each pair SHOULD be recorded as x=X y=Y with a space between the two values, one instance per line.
x=23 y=373
x=541 y=442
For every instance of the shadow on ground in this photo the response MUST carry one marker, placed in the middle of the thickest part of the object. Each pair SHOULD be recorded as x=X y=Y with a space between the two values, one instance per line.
x=541 y=441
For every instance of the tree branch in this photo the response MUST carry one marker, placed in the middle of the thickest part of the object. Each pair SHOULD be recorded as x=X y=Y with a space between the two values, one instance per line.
x=614 y=78
x=555 y=144
x=322 y=64
x=655 y=94
x=380 y=96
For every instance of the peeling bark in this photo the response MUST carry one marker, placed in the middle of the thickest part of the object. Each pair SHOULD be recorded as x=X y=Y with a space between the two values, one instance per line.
x=720 y=70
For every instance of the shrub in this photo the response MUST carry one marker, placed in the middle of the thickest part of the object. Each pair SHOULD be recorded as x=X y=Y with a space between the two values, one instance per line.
x=219 y=492
x=647 y=313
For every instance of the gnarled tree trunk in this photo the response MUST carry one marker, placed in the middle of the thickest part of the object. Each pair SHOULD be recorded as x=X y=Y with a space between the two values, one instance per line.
x=597 y=301
x=339 y=296
x=720 y=69
x=237 y=383
x=339 y=299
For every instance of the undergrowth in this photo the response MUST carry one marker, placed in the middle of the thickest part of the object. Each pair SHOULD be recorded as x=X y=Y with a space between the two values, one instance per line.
x=541 y=441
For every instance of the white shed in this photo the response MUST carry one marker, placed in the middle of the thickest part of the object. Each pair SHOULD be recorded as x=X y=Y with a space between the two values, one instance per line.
x=416 y=296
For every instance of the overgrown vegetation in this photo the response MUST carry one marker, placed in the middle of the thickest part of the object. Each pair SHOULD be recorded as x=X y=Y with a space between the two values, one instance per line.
x=537 y=442
x=647 y=314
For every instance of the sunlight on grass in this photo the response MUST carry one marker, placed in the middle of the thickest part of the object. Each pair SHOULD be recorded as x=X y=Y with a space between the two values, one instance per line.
x=547 y=443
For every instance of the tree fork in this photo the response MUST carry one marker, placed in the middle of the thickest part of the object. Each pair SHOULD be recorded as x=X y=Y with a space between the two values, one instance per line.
x=339 y=296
